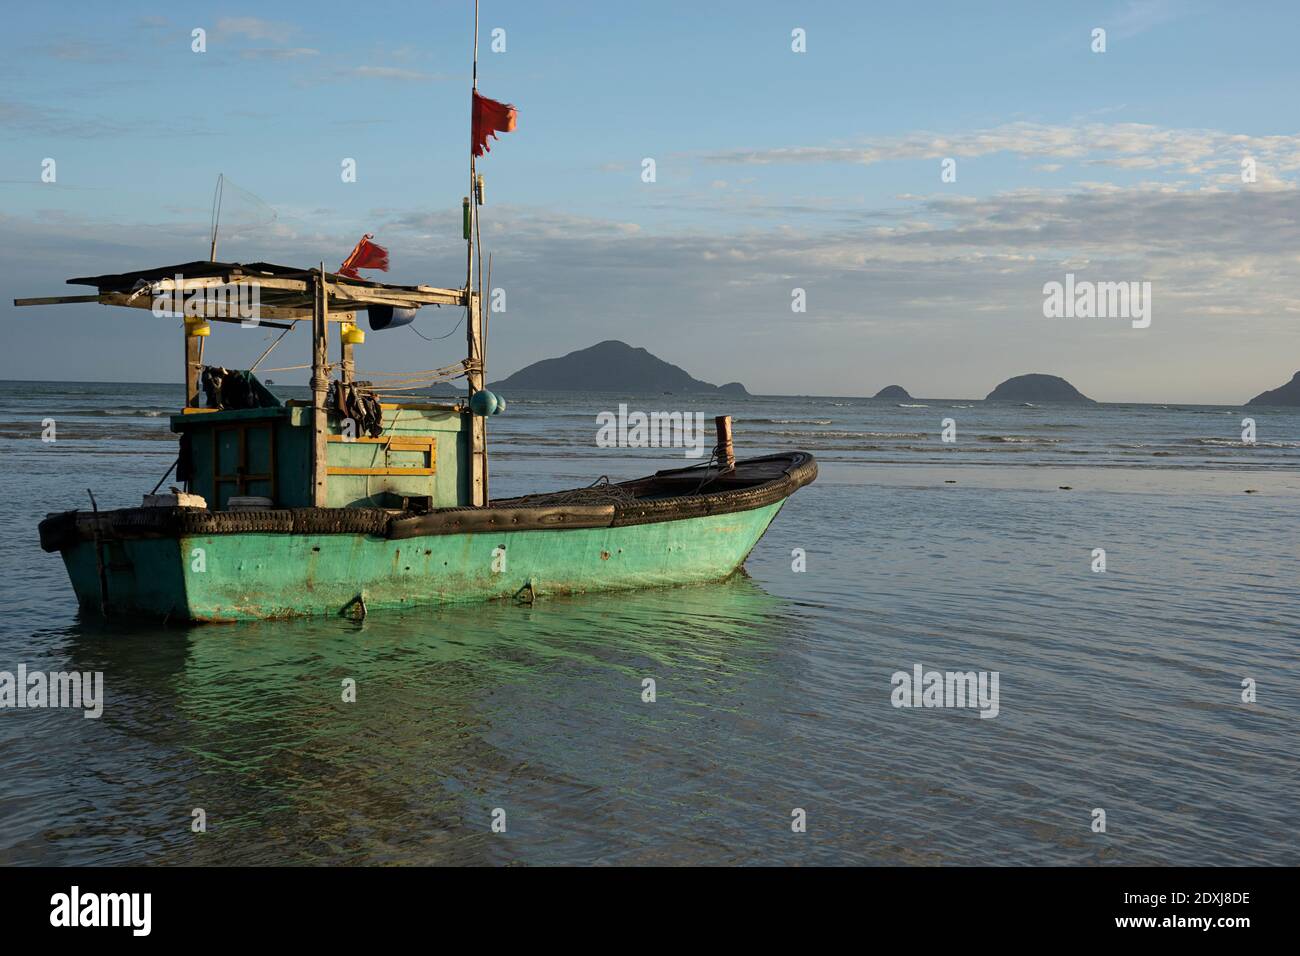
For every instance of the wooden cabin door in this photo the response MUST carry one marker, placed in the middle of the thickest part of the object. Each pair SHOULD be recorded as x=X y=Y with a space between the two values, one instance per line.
x=243 y=461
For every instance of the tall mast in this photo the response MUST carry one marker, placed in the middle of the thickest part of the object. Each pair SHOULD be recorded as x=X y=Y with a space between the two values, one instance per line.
x=473 y=206
x=216 y=215
x=474 y=375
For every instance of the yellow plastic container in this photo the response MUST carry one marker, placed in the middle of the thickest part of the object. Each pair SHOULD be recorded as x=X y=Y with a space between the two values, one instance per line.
x=197 y=326
x=352 y=335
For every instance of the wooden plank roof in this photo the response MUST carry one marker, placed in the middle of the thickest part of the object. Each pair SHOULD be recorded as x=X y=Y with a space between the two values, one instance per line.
x=284 y=291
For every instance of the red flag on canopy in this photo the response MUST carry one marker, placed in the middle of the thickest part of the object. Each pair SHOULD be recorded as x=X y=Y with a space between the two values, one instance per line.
x=490 y=118
x=365 y=255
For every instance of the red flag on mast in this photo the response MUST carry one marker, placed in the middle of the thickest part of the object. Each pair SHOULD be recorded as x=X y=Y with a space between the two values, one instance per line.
x=490 y=118
x=365 y=255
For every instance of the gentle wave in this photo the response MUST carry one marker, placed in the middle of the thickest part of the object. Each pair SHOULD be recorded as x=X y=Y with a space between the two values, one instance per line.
x=839 y=434
x=1235 y=443
x=1020 y=439
x=151 y=411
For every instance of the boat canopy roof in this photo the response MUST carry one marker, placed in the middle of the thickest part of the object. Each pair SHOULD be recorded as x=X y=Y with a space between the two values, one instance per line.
x=284 y=292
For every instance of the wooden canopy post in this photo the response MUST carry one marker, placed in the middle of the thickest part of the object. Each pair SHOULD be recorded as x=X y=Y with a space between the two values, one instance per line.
x=474 y=373
x=347 y=366
x=725 y=450
x=478 y=481
x=319 y=388
x=193 y=367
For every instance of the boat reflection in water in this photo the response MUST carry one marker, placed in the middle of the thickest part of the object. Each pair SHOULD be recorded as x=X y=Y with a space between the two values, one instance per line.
x=540 y=711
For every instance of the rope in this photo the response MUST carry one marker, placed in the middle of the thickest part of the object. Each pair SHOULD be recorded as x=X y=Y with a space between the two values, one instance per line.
x=262 y=357
x=458 y=368
x=385 y=389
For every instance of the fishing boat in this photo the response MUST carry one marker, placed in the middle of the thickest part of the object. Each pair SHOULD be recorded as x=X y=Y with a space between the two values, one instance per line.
x=351 y=502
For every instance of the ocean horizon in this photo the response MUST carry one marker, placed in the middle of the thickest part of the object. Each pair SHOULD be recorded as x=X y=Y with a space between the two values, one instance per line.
x=301 y=389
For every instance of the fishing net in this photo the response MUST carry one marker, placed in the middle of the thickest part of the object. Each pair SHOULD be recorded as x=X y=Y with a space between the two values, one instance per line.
x=599 y=492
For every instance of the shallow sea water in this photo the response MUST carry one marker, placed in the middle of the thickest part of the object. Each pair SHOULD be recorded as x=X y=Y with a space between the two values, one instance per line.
x=1119 y=691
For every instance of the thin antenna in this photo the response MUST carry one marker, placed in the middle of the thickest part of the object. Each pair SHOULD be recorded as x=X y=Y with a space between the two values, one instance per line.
x=217 y=195
x=487 y=308
x=473 y=205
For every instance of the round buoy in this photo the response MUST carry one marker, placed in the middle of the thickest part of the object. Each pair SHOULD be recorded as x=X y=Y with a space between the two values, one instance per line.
x=483 y=403
x=501 y=405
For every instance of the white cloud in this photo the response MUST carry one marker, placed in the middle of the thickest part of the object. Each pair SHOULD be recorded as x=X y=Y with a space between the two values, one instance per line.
x=255 y=28
x=1123 y=145
x=946 y=295
x=1139 y=16
x=389 y=73
x=279 y=53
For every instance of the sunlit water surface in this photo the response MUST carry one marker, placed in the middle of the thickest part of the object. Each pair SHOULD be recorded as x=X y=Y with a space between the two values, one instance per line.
x=1119 y=691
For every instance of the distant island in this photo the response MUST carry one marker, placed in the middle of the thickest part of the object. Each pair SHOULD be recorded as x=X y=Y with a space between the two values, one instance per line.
x=1288 y=394
x=611 y=366
x=1038 y=388
x=892 y=391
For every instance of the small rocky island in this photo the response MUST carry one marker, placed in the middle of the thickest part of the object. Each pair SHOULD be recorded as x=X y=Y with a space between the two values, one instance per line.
x=893 y=391
x=1288 y=394
x=1038 y=388
x=612 y=366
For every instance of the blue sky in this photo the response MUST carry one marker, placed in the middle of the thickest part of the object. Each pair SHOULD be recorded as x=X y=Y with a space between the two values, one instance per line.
x=775 y=170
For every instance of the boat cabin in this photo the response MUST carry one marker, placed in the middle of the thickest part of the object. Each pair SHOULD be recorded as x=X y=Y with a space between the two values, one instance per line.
x=418 y=462
x=354 y=444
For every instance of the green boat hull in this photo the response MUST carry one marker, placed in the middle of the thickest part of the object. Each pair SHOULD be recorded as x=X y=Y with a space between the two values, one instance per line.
x=250 y=576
